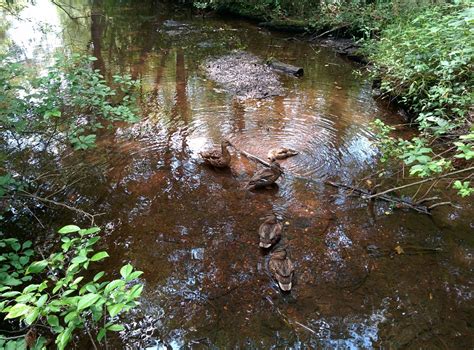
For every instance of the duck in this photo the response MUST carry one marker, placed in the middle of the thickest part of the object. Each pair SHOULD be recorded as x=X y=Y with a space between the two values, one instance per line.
x=282 y=269
x=218 y=158
x=281 y=153
x=269 y=231
x=265 y=177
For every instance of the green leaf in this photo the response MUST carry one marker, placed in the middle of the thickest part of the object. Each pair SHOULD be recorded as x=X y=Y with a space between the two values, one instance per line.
x=37 y=267
x=114 y=285
x=53 y=320
x=89 y=231
x=18 y=310
x=42 y=300
x=101 y=334
x=27 y=244
x=32 y=315
x=87 y=300
x=134 y=275
x=99 y=256
x=69 y=229
x=126 y=270
x=79 y=259
x=136 y=291
x=114 y=310
x=116 y=328
x=71 y=317
x=98 y=276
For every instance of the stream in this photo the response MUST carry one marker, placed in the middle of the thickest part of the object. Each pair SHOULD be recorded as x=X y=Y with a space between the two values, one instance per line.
x=193 y=229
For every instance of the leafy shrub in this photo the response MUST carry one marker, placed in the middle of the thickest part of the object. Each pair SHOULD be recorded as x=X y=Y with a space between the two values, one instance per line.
x=70 y=101
x=64 y=299
x=427 y=63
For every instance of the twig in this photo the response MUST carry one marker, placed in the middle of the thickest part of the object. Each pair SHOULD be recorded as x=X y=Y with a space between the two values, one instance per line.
x=427 y=200
x=14 y=337
x=443 y=203
x=90 y=336
x=67 y=13
x=31 y=212
x=91 y=217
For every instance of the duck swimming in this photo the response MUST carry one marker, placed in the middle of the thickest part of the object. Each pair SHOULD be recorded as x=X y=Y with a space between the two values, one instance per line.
x=218 y=158
x=281 y=153
x=282 y=269
x=270 y=231
x=265 y=177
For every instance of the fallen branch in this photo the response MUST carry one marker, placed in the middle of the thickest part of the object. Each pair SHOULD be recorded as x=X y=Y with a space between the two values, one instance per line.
x=420 y=182
x=253 y=157
x=368 y=195
x=329 y=31
x=90 y=216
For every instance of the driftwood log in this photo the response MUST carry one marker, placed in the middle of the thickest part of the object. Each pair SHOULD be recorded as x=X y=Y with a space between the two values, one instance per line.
x=286 y=68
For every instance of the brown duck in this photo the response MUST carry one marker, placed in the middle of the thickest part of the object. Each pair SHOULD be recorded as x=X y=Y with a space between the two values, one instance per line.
x=265 y=177
x=218 y=158
x=270 y=231
x=282 y=268
x=281 y=153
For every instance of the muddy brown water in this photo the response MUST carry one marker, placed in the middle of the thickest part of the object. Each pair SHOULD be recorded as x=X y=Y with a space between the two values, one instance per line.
x=193 y=230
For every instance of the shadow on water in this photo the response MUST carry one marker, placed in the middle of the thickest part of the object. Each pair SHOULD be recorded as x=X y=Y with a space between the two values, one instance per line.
x=193 y=230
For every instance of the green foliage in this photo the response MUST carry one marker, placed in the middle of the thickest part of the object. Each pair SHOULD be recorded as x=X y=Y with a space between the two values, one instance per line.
x=428 y=62
x=63 y=299
x=464 y=188
x=263 y=9
x=70 y=101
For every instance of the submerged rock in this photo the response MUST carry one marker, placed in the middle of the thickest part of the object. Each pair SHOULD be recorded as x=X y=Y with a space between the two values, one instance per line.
x=244 y=75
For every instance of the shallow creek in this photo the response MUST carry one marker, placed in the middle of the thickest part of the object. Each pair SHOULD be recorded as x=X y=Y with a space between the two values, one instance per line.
x=193 y=230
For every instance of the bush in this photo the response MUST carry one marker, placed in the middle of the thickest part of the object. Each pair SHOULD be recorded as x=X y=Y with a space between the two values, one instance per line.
x=70 y=102
x=427 y=63
x=61 y=298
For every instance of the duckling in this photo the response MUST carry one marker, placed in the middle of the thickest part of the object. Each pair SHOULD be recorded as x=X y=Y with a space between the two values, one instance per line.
x=265 y=177
x=269 y=231
x=282 y=268
x=281 y=153
x=218 y=158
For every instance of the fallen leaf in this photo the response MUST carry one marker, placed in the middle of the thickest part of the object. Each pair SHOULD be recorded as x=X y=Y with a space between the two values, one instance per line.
x=399 y=250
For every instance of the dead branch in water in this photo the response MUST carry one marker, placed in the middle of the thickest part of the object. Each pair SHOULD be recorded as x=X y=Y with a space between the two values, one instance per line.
x=420 y=182
x=90 y=216
x=253 y=157
x=367 y=195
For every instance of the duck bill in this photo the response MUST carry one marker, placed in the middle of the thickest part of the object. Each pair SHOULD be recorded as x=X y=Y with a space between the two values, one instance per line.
x=285 y=287
x=265 y=245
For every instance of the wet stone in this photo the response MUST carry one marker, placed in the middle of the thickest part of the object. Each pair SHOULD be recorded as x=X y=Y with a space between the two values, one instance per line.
x=244 y=75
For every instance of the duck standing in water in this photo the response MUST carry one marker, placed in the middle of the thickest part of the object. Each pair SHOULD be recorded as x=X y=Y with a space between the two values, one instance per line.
x=270 y=231
x=281 y=153
x=265 y=177
x=282 y=268
x=218 y=158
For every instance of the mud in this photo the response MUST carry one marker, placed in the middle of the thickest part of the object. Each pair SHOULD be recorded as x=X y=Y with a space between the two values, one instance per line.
x=244 y=75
